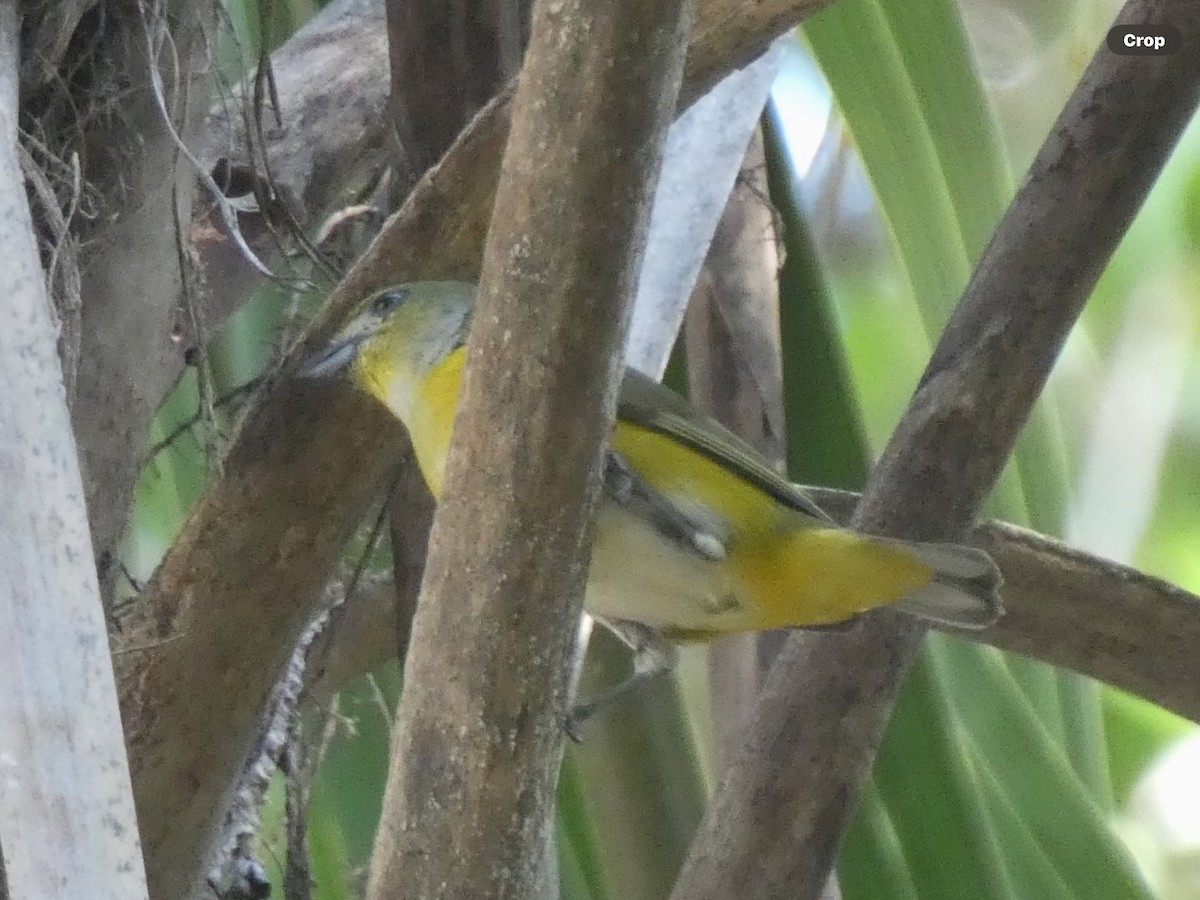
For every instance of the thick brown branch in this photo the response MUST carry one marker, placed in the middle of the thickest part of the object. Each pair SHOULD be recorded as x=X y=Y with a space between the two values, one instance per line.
x=1069 y=608
x=494 y=634
x=777 y=822
x=238 y=586
x=447 y=61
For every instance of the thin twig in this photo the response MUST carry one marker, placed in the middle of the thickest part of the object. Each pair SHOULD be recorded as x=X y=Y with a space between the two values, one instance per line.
x=155 y=35
x=301 y=767
x=269 y=198
x=280 y=736
x=63 y=261
x=381 y=703
x=242 y=390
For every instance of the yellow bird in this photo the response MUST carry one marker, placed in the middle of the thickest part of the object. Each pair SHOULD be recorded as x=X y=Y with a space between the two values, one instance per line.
x=697 y=536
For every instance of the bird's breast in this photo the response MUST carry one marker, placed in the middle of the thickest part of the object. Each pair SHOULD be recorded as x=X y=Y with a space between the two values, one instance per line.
x=429 y=416
x=638 y=572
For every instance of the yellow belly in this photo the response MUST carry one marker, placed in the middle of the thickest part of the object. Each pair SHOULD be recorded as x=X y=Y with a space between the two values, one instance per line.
x=806 y=576
x=781 y=568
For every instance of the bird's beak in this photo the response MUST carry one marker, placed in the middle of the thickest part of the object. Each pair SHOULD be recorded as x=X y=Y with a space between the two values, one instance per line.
x=332 y=358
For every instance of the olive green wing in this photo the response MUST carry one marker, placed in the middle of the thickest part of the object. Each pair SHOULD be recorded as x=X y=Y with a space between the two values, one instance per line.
x=647 y=403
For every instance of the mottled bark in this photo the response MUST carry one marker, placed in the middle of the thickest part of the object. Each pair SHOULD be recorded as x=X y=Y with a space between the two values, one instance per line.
x=67 y=822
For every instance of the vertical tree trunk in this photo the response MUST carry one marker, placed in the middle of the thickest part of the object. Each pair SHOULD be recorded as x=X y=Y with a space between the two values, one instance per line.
x=486 y=676
x=447 y=61
x=67 y=823
x=448 y=58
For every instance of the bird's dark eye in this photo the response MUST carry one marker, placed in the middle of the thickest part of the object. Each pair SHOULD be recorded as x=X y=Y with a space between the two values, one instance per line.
x=387 y=302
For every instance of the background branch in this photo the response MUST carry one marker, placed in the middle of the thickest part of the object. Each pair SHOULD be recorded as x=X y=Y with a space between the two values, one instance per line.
x=735 y=374
x=333 y=70
x=827 y=699
x=130 y=352
x=447 y=60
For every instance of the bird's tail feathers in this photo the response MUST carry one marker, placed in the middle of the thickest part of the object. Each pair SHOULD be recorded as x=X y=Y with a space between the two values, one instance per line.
x=964 y=592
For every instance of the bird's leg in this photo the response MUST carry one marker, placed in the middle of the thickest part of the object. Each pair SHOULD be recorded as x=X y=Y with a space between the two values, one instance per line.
x=653 y=655
x=628 y=489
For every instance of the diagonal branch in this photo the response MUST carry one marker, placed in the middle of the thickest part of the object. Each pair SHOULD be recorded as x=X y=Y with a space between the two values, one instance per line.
x=777 y=822
x=1075 y=610
x=238 y=586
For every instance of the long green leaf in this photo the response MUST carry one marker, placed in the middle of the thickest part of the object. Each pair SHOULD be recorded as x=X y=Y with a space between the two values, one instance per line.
x=1031 y=871
x=924 y=776
x=873 y=863
x=903 y=79
x=1036 y=774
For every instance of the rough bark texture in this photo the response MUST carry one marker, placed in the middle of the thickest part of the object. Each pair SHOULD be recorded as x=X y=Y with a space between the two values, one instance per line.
x=67 y=822
x=238 y=586
x=447 y=61
x=478 y=737
x=777 y=821
x=1072 y=609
